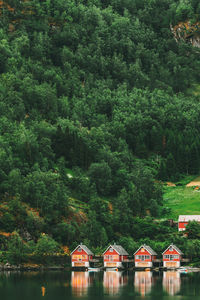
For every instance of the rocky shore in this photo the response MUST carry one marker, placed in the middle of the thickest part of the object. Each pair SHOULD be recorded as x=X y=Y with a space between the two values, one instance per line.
x=30 y=267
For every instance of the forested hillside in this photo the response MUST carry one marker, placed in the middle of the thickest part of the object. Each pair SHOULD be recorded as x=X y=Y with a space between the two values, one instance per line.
x=99 y=103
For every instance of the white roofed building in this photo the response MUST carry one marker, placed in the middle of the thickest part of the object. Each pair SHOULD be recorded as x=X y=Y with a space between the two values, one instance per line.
x=183 y=221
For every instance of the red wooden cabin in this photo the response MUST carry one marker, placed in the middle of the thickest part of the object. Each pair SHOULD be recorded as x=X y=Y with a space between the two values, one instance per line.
x=172 y=257
x=114 y=256
x=144 y=257
x=81 y=256
x=183 y=221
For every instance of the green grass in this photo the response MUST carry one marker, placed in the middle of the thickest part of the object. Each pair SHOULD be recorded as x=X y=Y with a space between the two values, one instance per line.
x=182 y=201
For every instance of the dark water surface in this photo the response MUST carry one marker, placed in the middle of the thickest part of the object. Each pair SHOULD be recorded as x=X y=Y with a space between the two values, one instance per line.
x=102 y=285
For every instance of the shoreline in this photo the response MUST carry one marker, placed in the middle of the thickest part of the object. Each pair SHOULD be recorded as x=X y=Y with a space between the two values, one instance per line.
x=8 y=267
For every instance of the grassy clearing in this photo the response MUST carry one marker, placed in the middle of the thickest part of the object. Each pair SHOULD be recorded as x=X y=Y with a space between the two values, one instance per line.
x=182 y=201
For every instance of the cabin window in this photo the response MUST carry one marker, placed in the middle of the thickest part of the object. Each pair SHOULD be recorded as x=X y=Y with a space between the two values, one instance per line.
x=142 y=257
x=77 y=257
x=170 y=249
x=112 y=257
x=111 y=249
x=79 y=249
x=171 y=257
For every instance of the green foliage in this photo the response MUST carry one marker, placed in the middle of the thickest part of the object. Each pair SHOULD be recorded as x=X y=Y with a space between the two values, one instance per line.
x=46 y=245
x=193 y=249
x=129 y=244
x=97 y=101
x=7 y=222
x=100 y=174
x=193 y=230
x=16 y=249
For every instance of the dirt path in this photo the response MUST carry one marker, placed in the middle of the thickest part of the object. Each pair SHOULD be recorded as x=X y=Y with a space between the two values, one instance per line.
x=170 y=183
x=195 y=182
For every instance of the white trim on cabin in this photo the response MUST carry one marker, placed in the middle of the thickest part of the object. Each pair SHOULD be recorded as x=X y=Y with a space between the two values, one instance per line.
x=111 y=251
x=175 y=248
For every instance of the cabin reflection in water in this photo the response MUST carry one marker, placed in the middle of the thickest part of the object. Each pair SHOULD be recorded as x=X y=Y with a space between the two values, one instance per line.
x=113 y=281
x=171 y=282
x=80 y=283
x=143 y=282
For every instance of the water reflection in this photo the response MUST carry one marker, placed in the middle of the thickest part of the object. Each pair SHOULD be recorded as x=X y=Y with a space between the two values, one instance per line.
x=43 y=291
x=143 y=282
x=80 y=282
x=113 y=281
x=171 y=282
x=67 y=285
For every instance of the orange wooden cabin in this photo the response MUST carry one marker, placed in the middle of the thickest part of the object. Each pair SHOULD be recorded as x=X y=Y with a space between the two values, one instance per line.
x=81 y=256
x=114 y=256
x=172 y=257
x=144 y=257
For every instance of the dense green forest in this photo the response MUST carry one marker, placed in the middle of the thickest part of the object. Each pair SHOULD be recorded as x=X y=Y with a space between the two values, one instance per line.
x=99 y=103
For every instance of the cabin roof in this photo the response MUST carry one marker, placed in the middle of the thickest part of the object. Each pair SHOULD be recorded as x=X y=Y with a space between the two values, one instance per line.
x=85 y=248
x=118 y=248
x=148 y=248
x=175 y=248
x=187 y=218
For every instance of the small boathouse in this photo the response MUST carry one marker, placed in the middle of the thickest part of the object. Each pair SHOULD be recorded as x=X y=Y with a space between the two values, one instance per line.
x=172 y=257
x=81 y=256
x=144 y=257
x=114 y=256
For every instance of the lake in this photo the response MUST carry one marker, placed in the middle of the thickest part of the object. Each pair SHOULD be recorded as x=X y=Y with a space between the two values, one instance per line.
x=67 y=285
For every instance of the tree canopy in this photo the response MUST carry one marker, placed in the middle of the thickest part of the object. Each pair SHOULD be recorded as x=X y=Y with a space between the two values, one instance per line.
x=99 y=103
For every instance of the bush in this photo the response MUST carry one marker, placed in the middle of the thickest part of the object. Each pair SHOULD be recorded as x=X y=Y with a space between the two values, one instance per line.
x=16 y=252
x=46 y=245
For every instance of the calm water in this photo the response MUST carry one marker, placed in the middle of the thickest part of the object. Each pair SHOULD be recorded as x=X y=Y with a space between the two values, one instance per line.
x=102 y=285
